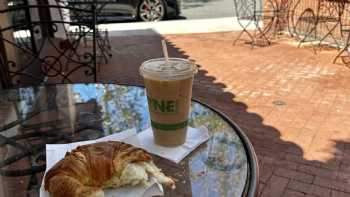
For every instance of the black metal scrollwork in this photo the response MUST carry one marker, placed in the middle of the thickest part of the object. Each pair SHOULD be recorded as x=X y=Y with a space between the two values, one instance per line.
x=34 y=52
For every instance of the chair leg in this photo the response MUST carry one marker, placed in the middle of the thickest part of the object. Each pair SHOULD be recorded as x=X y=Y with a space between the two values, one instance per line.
x=101 y=47
x=346 y=48
x=306 y=36
x=330 y=30
x=339 y=54
x=107 y=43
x=244 y=30
x=238 y=37
x=262 y=34
x=276 y=27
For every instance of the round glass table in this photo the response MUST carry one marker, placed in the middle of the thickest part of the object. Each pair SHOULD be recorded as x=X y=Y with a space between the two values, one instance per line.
x=32 y=117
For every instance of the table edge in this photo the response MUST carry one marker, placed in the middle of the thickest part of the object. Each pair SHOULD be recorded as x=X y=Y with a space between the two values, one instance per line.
x=252 y=158
x=252 y=189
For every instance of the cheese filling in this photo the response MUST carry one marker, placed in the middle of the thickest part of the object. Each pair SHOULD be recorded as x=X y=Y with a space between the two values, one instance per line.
x=133 y=174
x=137 y=173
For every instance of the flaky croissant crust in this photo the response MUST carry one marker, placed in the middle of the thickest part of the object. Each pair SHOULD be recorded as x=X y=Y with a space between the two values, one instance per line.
x=84 y=171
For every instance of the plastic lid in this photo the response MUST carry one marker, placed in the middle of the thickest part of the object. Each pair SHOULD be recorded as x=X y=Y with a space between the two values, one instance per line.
x=174 y=69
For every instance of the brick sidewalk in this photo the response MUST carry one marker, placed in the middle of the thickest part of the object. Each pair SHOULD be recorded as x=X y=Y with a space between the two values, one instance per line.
x=293 y=105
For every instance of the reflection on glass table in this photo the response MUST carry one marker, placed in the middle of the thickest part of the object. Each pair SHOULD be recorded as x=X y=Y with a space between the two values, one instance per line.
x=224 y=166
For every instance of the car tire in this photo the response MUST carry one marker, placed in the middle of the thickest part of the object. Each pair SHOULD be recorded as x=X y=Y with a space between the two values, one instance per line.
x=151 y=10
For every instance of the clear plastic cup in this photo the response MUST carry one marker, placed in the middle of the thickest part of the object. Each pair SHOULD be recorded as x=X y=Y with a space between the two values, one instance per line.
x=169 y=91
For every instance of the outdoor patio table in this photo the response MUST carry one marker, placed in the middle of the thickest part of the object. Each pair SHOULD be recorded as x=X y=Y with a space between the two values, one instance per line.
x=226 y=165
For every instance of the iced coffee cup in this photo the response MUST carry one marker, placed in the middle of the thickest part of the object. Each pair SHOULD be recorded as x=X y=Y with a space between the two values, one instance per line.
x=169 y=90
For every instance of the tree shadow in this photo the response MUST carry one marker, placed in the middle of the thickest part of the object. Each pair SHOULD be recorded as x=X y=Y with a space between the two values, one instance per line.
x=283 y=167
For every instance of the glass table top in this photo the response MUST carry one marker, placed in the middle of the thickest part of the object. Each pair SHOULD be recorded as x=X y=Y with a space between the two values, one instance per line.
x=34 y=116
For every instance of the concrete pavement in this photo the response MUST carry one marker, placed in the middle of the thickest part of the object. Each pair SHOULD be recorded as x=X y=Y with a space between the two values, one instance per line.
x=174 y=27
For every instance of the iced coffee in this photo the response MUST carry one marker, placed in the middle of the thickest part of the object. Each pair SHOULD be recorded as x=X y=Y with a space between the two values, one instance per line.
x=169 y=90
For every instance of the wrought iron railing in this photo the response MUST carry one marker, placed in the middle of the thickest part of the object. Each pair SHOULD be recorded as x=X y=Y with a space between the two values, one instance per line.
x=33 y=54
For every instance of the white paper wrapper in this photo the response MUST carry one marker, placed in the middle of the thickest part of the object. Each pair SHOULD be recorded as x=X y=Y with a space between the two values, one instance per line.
x=155 y=189
x=144 y=139
x=195 y=137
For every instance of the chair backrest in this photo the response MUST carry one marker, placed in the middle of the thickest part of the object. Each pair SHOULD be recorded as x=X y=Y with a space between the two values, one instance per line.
x=38 y=48
x=244 y=8
x=330 y=8
x=254 y=9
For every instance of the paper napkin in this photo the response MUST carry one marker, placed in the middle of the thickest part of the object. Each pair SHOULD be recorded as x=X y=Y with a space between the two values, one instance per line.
x=56 y=152
x=144 y=140
x=195 y=137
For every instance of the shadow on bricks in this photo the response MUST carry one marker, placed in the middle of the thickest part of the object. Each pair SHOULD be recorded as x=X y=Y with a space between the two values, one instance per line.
x=294 y=106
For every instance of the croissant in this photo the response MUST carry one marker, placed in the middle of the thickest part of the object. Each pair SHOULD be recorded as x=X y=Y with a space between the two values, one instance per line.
x=88 y=169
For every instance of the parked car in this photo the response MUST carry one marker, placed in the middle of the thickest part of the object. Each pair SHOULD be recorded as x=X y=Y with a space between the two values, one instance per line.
x=117 y=10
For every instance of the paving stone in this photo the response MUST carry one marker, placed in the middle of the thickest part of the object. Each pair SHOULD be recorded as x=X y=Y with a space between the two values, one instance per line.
x=292 y=104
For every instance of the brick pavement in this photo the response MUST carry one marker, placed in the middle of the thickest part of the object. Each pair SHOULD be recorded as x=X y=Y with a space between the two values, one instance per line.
x=303 y=145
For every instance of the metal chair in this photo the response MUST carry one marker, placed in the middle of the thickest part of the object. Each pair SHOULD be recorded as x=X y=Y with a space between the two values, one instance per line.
x=321 y=13
x=103 y=45
x=254 y=20
x=32 y=53
x=330 y=16
x=102 y=36
x=35 y=55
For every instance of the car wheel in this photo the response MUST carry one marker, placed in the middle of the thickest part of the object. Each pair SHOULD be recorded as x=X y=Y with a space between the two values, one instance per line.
x=151 y=10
